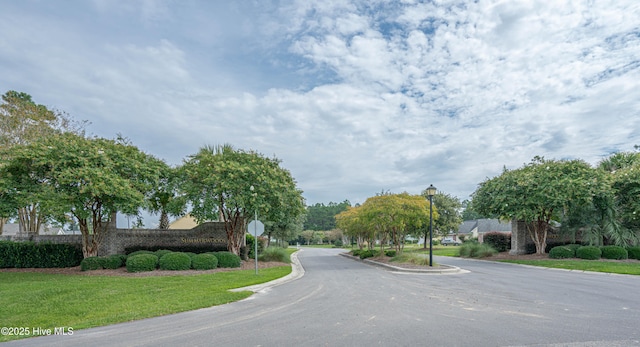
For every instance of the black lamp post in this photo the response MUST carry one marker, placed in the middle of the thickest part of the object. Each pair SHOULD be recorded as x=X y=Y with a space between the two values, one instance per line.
x=431 y=191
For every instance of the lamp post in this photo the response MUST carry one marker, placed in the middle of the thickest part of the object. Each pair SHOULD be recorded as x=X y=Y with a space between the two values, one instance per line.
x=255 y=231
x=431 y=191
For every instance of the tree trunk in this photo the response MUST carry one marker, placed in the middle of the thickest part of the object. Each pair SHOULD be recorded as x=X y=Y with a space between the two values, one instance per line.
x=3 y=221
x=164 y=221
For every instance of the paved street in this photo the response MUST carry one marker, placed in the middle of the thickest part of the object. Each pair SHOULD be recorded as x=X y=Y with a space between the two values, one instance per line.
x=342 y=302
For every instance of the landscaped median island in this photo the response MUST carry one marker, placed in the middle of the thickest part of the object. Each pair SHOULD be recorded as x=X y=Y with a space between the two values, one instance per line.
x=51 y=298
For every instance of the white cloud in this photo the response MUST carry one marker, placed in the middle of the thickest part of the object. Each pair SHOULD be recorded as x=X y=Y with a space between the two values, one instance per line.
x=354 y=96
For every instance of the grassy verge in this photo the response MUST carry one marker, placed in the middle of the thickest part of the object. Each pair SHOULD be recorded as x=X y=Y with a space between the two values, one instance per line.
x=447 y=251
x=49 y=301
x=584 y=265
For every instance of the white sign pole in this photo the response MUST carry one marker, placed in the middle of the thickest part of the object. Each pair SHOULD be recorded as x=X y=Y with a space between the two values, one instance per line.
x=255 y=240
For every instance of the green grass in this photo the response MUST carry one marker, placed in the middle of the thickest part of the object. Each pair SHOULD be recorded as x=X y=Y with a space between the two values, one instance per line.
x=631 y=268
x=48 y=300
x=447 y=251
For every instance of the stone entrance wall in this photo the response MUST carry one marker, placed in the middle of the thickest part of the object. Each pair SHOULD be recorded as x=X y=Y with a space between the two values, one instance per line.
x=210 y=236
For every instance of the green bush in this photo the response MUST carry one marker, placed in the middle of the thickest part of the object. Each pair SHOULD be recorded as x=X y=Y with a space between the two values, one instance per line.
x=338 y=243
x=614 y=252
x=112 y=262
x=175 y=261
x=499 y=241
x=356 y=252
x=142 y=262
x=634 y=252
x=141 y=252
x=561 y=252
x=91 y=263
x=228 y=259
x=43 y=255
x=476 y=250
x=390 y=253
x=159 y=253
x=370 y=253
x=204 y=261
x=589 y=252
x=275 y=254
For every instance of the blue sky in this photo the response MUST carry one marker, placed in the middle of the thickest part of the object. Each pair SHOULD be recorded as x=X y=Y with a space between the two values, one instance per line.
x=354 y=97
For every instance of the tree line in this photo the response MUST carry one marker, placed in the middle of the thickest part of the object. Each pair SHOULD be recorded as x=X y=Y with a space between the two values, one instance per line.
x=49 y=170
x=600 y=205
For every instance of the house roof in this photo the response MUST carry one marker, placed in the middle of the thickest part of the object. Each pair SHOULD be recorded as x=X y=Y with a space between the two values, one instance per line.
x=14 y=228
x=484 y=226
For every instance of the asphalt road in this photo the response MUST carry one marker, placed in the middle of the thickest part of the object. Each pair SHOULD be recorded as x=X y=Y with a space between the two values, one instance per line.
x=342 y=302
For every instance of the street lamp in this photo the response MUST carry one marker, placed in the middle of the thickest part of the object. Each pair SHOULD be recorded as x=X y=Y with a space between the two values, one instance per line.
x=431 y=191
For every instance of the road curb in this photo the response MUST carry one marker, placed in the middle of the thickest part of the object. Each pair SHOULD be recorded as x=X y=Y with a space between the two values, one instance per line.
x=297 y=271
x=443 y=269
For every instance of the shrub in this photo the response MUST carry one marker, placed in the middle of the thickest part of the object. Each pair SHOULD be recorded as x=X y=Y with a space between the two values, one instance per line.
x=476 y=250
x=42 y=255
x=91 y=263
x=159 y=253
x=614 y=252
x=338 y=243
x=356 y=252
x=275 y=254
x=142 y=262
x=112 y=262
x=588 y=252
x=369 y=254
x=634 y=252
x=228 y=259
x=411 y=258
x=390 y=253
x=499 y=241
x=175 y=261
x=561 y=252
x=141 y=252
x=204 y=261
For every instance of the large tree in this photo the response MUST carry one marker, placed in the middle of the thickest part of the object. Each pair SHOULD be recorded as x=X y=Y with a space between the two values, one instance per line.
x=449 y=217
x=90 y=178
x=226 y=184
x=539 y=193
x=22 y=121
x=166 y=199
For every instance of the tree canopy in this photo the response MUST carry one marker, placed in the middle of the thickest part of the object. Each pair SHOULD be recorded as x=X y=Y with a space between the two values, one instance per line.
x=229 y=184
x=322 y=217
x=538 y=193
x=91 y=178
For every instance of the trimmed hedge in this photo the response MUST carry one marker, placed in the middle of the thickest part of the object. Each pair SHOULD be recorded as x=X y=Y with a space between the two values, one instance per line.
x=175 y=261
x=112 y=262
x=614 y=252
x=142 y=262
x=204 y=261
x=43 y=255
x=501 y=242
x=634 y=252
x=589 y=252
x=161 y=252
x=142 y=252
x=227 y=259
x=369 y=253
x=390 y=253
x=561 y=252
x=90 y=263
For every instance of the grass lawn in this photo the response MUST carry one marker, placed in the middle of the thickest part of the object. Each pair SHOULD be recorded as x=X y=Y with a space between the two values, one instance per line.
x=49 y=300
x=630 y=268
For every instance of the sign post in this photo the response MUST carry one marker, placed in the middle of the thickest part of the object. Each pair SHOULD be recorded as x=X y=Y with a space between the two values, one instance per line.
x=258 y=229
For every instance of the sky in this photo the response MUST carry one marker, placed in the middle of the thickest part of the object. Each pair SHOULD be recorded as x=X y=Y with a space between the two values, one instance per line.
x=355 y=97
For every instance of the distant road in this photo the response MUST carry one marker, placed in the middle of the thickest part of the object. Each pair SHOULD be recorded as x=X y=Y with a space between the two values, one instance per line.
x=342 y=302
